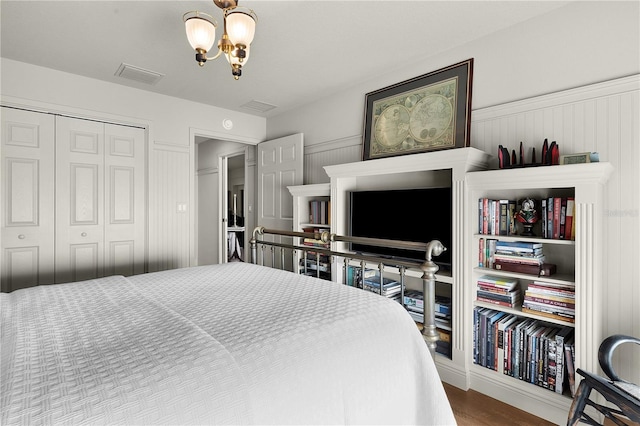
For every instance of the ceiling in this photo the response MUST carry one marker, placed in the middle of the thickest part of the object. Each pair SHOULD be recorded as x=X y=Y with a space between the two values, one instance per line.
x=302 y=51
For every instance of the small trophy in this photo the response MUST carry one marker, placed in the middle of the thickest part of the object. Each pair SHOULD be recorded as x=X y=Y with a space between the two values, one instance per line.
x=528 y=216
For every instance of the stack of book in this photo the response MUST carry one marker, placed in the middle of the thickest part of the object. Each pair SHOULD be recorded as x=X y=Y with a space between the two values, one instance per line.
x=551 y=300
x=499 y=291
x=522 y=257
x=414 y=303
x=390 y=287
x=316 y=242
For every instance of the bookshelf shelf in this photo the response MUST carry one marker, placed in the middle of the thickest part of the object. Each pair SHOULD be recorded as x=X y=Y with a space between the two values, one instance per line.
x=556 y=278
x=579 y=269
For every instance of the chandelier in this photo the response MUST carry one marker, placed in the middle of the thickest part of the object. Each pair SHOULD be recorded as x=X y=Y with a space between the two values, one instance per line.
x=235 y=43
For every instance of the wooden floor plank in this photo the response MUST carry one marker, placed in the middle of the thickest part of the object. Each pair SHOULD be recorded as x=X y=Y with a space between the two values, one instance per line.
x=472 y=408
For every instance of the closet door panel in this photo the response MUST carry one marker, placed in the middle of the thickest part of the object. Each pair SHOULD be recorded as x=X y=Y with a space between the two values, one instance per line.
x=80 y=199
x=27 y=213
x=125 y=199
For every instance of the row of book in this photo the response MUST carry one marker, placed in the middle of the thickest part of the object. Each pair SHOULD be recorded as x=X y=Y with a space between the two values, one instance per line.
x=320 y=212
x=525 y=348
x=498 y=217
x=514 y=256
x=557 y=215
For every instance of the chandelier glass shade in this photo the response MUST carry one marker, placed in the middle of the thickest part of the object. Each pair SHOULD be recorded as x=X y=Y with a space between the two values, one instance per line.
x=239 y=30
x=201 y=30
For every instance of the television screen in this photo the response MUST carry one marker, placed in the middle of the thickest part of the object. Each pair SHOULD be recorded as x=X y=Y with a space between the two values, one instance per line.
x=421 y=215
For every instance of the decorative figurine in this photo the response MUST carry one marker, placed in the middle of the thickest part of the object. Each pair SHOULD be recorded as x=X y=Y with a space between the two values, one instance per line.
x=528 y=216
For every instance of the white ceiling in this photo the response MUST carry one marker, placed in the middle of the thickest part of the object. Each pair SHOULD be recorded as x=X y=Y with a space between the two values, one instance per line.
x=303 y=50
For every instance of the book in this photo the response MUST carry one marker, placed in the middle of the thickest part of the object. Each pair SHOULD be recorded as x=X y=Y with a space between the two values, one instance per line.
x=504 y=220
x=555 y=316
x=543 y=216
x=491 y=250
x=544 y=269
x=485 y=216
x=549 y=301
x=491 y=338
x=557 y=204
x=511 y=297
x=526 y=245
x=563 y=217
x=501 y=342
x=512 y=217
x=563 y=335
x=569 y=230
x=543 y=285
x=569 y=356
x=529 y=260
x=519 y=252
x=550 y=217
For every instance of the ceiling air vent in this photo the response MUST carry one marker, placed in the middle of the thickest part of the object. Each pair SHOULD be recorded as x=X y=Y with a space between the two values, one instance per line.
x=138 y=74
x=258 y=106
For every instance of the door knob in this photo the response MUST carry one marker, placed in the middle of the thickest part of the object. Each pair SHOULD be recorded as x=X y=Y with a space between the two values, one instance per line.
x=21 y=237
x=84 y=234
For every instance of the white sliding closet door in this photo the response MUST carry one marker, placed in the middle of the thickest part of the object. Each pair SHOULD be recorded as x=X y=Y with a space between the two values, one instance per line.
x=28 y=149
x=79 y=200
x=101 y=201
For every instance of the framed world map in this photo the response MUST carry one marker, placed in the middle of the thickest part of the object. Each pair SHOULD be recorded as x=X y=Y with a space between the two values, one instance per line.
x=426 y=113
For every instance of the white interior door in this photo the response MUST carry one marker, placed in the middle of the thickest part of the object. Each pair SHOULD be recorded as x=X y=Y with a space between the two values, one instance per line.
x=280 y=164
x=27 y=215
x=80 y=199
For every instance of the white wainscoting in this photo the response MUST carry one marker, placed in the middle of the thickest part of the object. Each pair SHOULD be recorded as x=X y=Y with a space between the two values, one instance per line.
x=169 y=246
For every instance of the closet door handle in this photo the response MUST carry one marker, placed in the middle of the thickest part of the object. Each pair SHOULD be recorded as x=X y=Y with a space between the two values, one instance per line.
x=21 y=237
x=84 y=234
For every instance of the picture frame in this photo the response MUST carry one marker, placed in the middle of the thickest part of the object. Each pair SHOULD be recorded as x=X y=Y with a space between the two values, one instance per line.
x=426 y=113
x=583 y=157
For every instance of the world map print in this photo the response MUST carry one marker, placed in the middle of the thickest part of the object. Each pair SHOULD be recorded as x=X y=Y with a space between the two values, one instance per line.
x=415 y=120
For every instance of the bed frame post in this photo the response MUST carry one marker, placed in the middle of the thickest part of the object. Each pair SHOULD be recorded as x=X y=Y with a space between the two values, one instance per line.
x=258 y=230
x=429 y=269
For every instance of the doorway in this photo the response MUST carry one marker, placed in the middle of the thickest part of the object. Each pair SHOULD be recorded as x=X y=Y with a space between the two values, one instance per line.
x=224 y=182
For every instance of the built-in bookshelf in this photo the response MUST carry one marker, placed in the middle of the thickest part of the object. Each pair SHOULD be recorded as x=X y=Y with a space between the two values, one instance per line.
x=312 y=213
x=534 y=291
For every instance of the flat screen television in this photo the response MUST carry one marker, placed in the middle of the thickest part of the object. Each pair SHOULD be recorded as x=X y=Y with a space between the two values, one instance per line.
x=420 y=215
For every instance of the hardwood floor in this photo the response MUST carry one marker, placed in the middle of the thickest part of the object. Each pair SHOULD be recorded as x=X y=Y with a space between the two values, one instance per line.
x=472 y=408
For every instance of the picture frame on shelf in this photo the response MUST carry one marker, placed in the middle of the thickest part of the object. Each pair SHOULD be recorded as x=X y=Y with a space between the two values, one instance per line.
x=583 y=157
x=426 y=113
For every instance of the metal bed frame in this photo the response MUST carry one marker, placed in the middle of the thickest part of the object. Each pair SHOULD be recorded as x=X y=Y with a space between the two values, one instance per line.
x=428 y=267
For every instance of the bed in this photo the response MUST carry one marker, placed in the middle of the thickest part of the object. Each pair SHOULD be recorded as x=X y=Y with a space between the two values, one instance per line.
x=235 y=343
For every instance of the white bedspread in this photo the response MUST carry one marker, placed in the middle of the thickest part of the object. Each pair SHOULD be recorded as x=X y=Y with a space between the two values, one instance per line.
x=225 y=344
